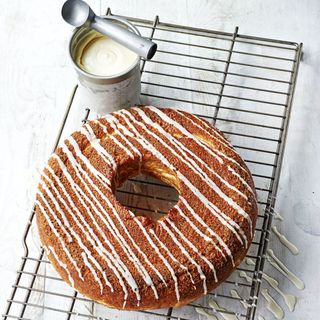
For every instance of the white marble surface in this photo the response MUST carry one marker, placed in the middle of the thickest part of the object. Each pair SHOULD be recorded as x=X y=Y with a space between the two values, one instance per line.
x=35 y=83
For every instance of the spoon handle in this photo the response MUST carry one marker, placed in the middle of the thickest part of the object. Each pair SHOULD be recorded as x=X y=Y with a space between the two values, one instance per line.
x=143 y=47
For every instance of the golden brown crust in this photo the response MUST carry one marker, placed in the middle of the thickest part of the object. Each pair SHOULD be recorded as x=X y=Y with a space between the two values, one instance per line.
x=102 y=249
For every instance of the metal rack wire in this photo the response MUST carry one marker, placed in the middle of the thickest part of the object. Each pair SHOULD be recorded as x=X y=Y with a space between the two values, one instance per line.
x=242 y=84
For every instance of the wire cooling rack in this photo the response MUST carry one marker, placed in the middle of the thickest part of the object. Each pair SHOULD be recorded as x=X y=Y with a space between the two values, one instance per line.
x=242 y=84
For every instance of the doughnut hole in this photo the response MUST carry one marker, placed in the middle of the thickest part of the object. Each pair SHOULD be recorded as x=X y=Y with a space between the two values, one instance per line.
x=147 y=189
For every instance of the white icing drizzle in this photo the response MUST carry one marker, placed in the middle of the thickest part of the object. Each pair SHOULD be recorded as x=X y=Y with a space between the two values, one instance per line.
x=223 y=155
x=50 y=250
x=227 y=316
x=193 y=247
x=119 y=144
x=164 y=260
x=293 y=249
x=88 y=264
x=107 y=219
x=224 y=219
x=57 y=220
x=114 y=139
x=172 y=257
x=82 y=157
x=186 y=253
x=92 y=238
x=63 y=245
x=76 y=236
x=205 y=123
x=203 y=144
x=93 y=137
x=95 y=143
x=289 y=299
x=223 y=141
x=207 y=228
x=235 y=173
x=146 y=144
x=184 y=150
x=272 y=305
x=144 y=230
x=276 y=263
x=123 y=137
x=173 y=275
x=235 y=294
x=194 y=227
x=147 y=276
x=217 y=136
x=150 y=147
x=79 y=192
x=203 y=312
x=233 y=204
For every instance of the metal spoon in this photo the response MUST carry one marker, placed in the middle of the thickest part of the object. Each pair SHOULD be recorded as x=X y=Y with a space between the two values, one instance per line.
x=79 y=13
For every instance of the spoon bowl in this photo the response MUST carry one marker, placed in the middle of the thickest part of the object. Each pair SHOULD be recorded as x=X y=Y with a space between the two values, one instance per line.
x=76 y=12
